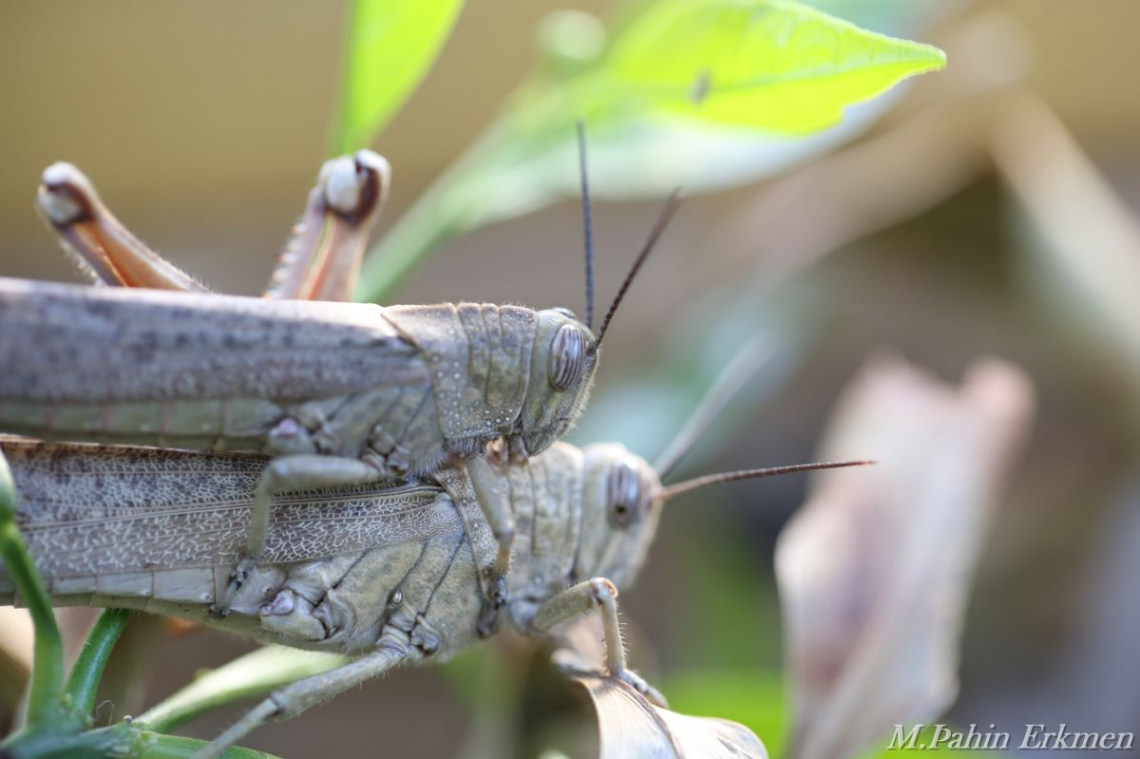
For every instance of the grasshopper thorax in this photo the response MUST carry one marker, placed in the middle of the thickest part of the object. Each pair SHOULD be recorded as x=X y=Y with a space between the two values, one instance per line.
x=620 y=511
x=561 y=373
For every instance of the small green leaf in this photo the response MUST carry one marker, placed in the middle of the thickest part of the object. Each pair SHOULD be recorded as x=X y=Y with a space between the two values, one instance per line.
x=391 y=44
x=767 y=71
x=770 y=64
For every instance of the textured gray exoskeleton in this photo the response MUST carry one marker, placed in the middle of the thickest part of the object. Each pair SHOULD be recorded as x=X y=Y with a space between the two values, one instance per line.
x=336 y=393
x=390 y=574
x=391 y=571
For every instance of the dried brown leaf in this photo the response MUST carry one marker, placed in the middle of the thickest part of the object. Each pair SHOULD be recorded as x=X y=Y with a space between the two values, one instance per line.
x=632 y=728
x=874 y=571
x=629 y=726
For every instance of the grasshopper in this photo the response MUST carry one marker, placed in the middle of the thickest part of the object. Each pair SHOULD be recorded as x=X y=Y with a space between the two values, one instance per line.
x=335 y=393
x=390 y=575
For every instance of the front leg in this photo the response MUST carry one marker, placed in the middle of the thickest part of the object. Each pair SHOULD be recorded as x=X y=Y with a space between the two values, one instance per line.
x=296 y=472
x=598 y=593
x=496 y=507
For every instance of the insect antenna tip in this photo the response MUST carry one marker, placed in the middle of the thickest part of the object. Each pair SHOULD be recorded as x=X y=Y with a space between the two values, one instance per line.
x=671 y=491
x=672 y=203
x=587 y=223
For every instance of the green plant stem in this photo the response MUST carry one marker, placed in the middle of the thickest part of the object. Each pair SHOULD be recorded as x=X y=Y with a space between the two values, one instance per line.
x=122 y=740
x=83 y=683
x=438 y=215
x=52 y=742
x=339 y=138
x=155 y=746
x=424 y=227
x=254 y=674
x=46 y=689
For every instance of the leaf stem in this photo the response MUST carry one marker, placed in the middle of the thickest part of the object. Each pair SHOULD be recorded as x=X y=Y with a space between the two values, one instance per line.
x=83 y=683
x=340 y=138
x=46 y=689
x=255 y=674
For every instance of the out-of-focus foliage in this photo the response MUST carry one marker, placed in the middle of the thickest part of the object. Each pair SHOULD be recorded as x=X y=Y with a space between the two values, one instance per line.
x=753 y=697
x=757 y=699
x=666 y=91
x=389 y=47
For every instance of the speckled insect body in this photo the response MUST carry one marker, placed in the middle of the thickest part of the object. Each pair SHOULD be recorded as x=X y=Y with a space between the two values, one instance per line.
x=391 y=574
x=400 y=387
x=335 y=393
x=400 y=489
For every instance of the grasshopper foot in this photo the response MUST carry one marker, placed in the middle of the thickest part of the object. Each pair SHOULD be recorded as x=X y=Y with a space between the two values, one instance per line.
x=499 y=593
x=237 y=580
x=489 y=616
x=637 y=682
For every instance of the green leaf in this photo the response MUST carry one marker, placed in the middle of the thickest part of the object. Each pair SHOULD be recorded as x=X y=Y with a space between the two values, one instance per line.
x=391 y=44
x=771 y=69
x=769 y=64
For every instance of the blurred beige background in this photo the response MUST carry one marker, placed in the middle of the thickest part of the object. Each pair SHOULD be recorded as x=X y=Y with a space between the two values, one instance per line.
x=203 y=124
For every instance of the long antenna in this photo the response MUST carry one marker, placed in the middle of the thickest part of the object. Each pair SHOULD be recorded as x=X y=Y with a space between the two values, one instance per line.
x=670 y=208
x=587 y=223
x=731 y=379
x=672 y=491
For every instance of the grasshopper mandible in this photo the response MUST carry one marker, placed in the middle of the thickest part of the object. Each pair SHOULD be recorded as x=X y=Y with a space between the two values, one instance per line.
x=389 y=574
x=335 y=393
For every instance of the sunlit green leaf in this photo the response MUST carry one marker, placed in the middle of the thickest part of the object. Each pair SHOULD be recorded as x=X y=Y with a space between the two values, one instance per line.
x=768 y=71
x=769 y=64
x=391 y=44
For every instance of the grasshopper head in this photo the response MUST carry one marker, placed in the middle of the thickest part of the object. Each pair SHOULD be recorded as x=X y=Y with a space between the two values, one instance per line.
x=620 y=509
x=561 y=372
x=565 y=352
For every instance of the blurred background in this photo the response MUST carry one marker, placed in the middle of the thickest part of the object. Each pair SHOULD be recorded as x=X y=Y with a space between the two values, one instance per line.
x=985 y=210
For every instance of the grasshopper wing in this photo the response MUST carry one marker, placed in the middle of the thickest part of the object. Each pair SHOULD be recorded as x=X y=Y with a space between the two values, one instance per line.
x=68 y=344
x=87 y=511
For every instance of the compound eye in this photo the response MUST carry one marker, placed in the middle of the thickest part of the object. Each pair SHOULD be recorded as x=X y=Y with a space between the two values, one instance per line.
x=565 y=312
x=624 y=493
x=567 y=357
